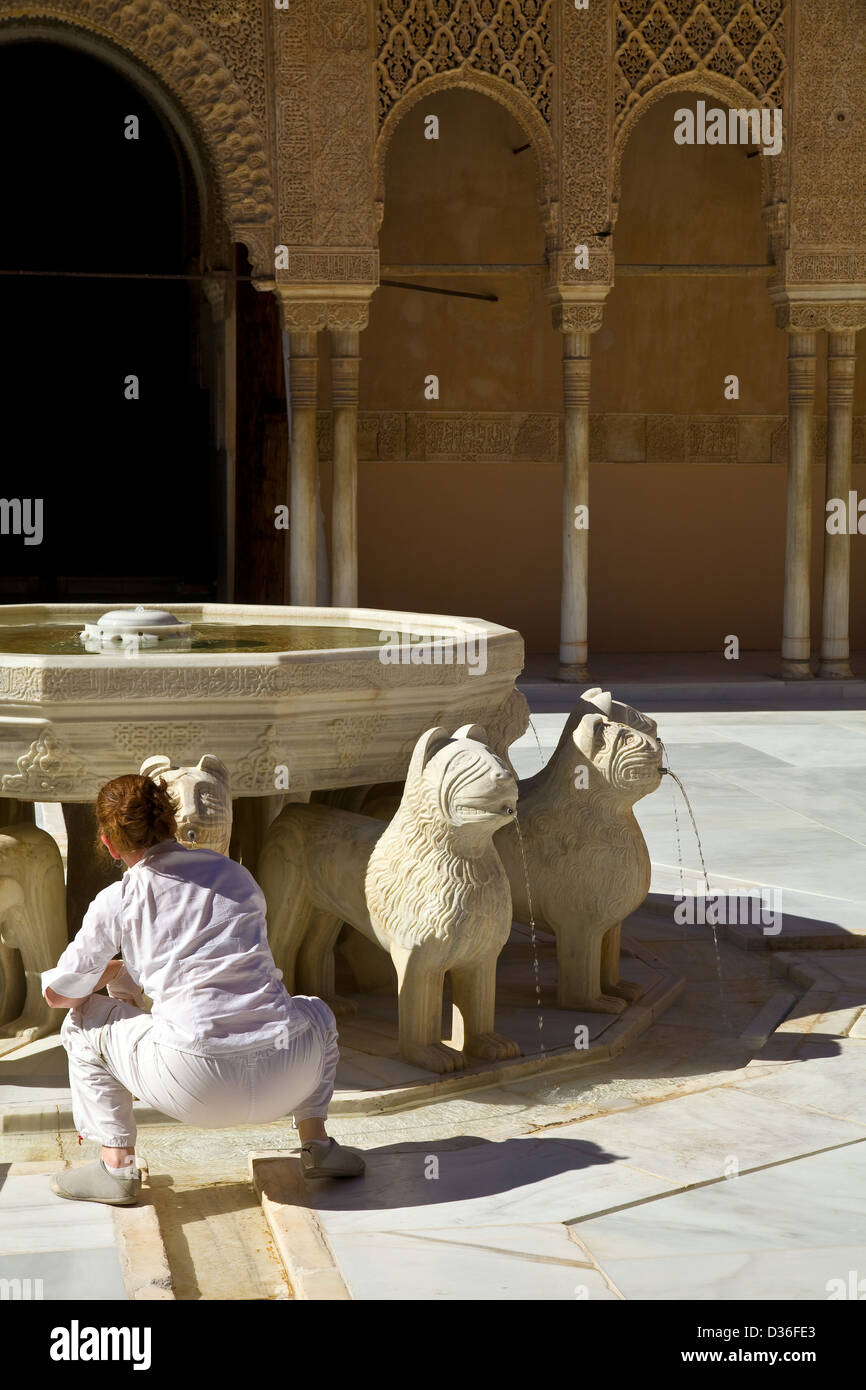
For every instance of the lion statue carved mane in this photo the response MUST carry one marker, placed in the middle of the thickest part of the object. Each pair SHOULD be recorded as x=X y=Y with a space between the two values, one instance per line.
x=429 y=888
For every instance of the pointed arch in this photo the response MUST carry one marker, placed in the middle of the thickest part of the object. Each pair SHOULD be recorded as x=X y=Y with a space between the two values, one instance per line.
x=166 y=58
x=497 y=89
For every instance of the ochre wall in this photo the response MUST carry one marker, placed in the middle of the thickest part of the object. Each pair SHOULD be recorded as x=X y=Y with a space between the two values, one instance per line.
x=681 y=554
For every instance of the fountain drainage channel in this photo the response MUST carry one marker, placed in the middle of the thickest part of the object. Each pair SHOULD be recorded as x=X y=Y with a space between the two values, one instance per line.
x=258 y=716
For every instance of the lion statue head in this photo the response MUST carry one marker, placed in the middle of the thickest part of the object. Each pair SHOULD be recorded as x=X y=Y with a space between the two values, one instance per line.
x=628 y=759
x=458 y=782
x=618 y=710
x=202 y=797
x=435 y=865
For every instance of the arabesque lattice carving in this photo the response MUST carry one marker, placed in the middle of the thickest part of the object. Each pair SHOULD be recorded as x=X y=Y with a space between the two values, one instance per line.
x=660 y=39
x=510 y=39
x=828 y=193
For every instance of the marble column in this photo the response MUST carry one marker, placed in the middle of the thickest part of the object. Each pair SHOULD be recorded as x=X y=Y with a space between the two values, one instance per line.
x=835 y=653
x=345 y=371
x=796 y=642
x=575 y=507
x=301 y=362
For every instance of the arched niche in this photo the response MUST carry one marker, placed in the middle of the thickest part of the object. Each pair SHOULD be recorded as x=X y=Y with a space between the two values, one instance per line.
x=118 y=276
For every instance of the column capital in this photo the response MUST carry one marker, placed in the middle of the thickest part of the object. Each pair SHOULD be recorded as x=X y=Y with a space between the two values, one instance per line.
x=311 y=313
x=577 y=308
x=326 y=287
x=816 y=313
x=577 y=318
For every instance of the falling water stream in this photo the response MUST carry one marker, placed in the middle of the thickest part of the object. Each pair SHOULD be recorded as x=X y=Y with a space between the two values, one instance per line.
x=538 y=742
x=670 y=772
x=532 y=937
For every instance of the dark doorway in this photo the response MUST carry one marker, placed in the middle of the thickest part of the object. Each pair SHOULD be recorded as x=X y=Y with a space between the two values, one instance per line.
x=128 y=486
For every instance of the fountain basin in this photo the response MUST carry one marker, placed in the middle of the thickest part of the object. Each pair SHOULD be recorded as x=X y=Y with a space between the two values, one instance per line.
x=283 y=715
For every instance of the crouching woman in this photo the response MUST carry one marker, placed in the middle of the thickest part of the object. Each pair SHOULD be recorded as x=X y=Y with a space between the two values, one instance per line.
x=225 y=1044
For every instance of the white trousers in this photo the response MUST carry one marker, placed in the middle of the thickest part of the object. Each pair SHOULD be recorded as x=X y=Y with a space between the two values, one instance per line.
x=113 y=1057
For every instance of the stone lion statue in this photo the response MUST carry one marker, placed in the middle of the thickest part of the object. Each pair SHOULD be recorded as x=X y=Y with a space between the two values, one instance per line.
x=32 y=931
x=202 y=796
x=429 y=887
x=586 y=858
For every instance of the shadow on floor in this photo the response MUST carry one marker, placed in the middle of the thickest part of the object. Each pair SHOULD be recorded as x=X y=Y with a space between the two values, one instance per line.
x=423 y=1173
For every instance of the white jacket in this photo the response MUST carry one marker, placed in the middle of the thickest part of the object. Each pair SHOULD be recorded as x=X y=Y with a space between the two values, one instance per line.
x=191 y=927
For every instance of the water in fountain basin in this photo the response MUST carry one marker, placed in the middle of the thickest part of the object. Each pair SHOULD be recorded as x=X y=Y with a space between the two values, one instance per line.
x=670 y=772
x=62 y=639
x=532 y=937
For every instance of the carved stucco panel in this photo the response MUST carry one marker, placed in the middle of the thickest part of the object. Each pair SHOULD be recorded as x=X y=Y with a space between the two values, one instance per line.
x=290 y=30
x=342 y=149
x=828 y=194
x=584 y=136
x=325 y=122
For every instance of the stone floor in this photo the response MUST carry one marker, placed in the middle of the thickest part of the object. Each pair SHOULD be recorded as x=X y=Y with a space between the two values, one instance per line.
x=721 y=1156
x=60 y=1247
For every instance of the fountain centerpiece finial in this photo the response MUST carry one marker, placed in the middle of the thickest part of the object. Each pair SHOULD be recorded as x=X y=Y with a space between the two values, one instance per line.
x=134 y=628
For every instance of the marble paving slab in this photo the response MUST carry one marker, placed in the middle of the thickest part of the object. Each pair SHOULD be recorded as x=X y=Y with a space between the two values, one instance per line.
x=779 y=1233
x=70 y=1246
x=532 y=1263
x=753 y=1276
x=80 y=1275
x=809 y=920
x=824 y=747
x=827 y=1076
x=698 y=1137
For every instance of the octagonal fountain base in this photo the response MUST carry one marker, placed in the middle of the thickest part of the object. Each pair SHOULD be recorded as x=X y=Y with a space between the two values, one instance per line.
x=293 y=705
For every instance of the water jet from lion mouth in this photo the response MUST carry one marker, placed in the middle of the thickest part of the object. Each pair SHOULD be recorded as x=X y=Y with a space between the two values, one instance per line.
x=532 y=937
x=668 y=771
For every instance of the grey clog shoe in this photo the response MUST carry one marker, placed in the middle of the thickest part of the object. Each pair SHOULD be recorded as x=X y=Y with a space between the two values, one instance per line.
x=325 y=1158
x=93 y=1183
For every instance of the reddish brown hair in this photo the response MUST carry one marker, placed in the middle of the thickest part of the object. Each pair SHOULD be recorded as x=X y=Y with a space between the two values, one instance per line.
x=135 y=812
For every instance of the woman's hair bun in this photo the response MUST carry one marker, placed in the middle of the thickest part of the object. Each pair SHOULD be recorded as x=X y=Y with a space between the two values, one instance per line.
x=135 y=812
